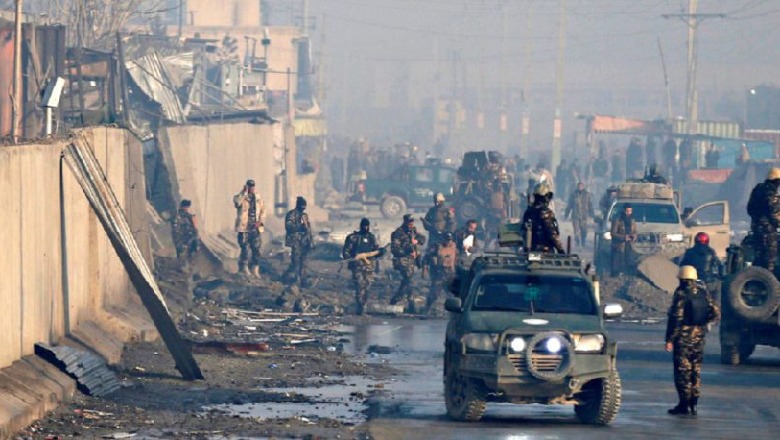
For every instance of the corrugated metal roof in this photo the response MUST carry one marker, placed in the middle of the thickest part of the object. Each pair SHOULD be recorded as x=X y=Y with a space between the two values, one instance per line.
x=152 y=76
x=90 y=370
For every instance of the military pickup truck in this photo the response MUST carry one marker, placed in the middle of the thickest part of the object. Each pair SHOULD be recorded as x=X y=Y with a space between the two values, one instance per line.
x=528 y=328
x=659 y=226
x=409 y=186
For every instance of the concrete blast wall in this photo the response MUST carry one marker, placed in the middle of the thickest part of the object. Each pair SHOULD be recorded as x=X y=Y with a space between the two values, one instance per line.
x=60 y=274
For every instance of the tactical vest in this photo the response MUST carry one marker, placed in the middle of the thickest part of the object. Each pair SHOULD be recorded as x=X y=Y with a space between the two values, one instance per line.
x=696 y=310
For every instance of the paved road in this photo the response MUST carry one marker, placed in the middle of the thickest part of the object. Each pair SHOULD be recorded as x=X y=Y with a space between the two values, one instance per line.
x=737 y=402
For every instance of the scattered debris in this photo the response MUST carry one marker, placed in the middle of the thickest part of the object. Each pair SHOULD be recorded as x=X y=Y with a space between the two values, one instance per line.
x=90 y=370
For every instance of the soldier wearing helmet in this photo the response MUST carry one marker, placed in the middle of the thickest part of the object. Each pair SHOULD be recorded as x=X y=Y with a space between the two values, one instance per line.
x=545 y=236
x=764 y=210
x=706 y=261
x=691 y=311
x=438 y=221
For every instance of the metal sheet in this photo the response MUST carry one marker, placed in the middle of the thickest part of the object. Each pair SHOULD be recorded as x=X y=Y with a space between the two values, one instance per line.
x=152 y=76
x=90 y=370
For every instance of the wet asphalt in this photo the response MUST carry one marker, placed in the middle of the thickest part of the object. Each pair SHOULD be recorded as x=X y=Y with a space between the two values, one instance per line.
x=737 y=402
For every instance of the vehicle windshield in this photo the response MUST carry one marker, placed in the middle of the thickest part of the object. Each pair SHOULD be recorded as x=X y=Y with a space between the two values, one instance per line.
x=649 y=212
x=534 y=294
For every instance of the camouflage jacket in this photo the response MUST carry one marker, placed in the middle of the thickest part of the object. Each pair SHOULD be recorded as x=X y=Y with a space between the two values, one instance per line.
x=545 y=235
x=298 y=228
x=358 y=243
x=183 y=226
x=401 y=243
x=764 y=204
x=439 y=219
x=675 y=325
x=705 y=260
x=622 y=227
x=579 y=206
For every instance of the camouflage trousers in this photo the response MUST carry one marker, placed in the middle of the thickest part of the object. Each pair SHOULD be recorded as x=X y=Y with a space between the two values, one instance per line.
x=186 y=247
x=362 y=278
x=250 y=243
x=405 y=267
x=765 y=245
x=688 y=356
x=440 y=280
x=297 y=268
x=580 y=231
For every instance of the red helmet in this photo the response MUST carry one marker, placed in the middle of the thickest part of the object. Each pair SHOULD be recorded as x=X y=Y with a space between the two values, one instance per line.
x=702 y=238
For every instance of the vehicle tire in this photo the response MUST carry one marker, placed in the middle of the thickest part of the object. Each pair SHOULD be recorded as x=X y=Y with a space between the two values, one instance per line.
x=462 y=398
x=754 y=293
x=392 y=207
x=564 y=367
x=600 y=400
x=469 y=208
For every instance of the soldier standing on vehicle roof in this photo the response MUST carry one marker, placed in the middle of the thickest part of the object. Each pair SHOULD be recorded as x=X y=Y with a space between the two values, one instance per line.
x=623 y=233
x=705 y=260
x=299 y=239
x=545 y=236
x=438 y=221
x=764 y=210
x=363 y=269
x=580 y=209
x=691 y=311
x=442 y=269
x=406 y=256
x=250 y=215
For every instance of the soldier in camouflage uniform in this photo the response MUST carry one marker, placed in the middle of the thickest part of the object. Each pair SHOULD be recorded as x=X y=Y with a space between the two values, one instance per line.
x=360 y=242
x=442 y=269
x=580 y=209
x=299 y=239
x=764 y=210
x=691 y=311
x=438 y=221
x=406 y=256
x=250 y=215
x=184 y=231
x=545 y=236
x=623 y=233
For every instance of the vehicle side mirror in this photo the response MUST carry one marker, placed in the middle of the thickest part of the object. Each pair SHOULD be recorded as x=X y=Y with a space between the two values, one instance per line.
x=455 y=286
x=452 y=305
x=613 y=311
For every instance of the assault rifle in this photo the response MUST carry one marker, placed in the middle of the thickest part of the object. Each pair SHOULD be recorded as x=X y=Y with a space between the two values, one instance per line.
x=364 y=256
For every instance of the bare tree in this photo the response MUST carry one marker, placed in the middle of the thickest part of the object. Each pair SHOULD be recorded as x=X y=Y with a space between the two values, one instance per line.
x=94 y=23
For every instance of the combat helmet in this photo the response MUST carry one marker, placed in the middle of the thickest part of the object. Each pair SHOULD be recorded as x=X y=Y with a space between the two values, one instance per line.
x=438 y=198
x=774 y=173
x=542 y=189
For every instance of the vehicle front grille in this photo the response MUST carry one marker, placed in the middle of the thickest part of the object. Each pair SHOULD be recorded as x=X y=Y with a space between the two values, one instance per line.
x=518 y=361
x=546 y=362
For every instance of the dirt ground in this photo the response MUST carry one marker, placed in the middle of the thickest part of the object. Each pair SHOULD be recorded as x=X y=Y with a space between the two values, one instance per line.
x=260 y=342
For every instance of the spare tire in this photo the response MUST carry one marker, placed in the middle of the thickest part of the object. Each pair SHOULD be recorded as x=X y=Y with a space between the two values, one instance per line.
x=754 y=293
x=469 y=208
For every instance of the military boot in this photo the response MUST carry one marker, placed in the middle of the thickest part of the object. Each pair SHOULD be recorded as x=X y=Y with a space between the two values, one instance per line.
x=242 y=270
x=692 y=405
x=681 y=409
x=411 y=308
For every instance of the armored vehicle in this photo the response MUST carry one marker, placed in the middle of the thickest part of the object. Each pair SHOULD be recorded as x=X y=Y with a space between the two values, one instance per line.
x=659 y=226
x=750 y=299
x=528 y=328
x=409 y=186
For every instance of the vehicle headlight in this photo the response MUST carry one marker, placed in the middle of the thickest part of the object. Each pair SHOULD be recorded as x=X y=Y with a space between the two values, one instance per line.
x=675 y=237
x=607 y=235
x=553 y=345
x=589 y=343
x=517 y=344
x=480 y=341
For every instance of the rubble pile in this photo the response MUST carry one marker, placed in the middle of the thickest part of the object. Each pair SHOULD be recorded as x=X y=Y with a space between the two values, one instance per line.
x=640 y=299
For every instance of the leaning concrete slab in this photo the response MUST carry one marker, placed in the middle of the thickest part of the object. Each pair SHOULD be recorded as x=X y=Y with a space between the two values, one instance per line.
x=30 y=388
x=660 y=271
x=90 y=176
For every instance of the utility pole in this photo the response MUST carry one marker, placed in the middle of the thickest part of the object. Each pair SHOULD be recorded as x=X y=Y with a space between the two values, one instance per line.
x=666 y=81
x=16 y=109
x=526 y=121
x=692 y=20
x=556 y=142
